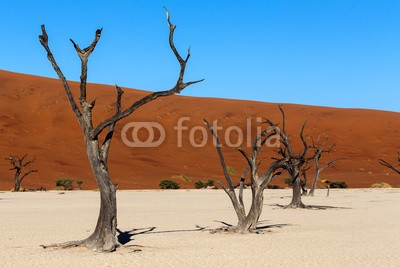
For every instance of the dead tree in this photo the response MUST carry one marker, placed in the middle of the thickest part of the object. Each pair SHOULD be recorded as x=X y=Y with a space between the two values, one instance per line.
x=18 y=164
x=390 y=166
x=318 y=151
x=293 y=161
x=247 y=222
x=103 y=238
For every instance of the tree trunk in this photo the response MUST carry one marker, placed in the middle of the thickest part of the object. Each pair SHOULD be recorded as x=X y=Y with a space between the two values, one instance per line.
x=17 y=186
x=103 y=237
x=296 y=197
x=249 y=223
x=314 y=184
x=304 y=187
x=17 y=182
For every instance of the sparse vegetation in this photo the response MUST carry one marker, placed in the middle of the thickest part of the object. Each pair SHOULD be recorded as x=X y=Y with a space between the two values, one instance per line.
x=66 y=184
x=200 y=184
x=231 y=170
x=168 y=184
x=336 y=184
x=381 y=185
x=79 y=184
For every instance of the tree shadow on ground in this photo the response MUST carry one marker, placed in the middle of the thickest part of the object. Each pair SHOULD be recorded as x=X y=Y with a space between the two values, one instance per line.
x=126 y=236
x=311 y=207
x=260 y=226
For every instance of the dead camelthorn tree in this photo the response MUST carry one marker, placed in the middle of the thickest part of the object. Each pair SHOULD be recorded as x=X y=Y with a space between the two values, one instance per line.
x=293 y=161
x=318 y=152
x=103 y=238
x=390 y=166
x=247 y=222
x=18 y=164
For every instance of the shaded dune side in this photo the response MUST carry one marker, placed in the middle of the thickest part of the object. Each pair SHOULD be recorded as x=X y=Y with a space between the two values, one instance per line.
x=35 y=118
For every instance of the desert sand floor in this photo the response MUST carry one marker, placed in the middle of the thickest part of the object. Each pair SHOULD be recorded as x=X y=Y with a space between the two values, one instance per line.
x=160 y=228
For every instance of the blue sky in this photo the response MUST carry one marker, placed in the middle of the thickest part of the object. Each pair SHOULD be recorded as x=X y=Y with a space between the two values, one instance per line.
x=328 y=53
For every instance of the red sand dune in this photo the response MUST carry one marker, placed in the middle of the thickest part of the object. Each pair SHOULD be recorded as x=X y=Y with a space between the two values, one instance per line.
x=35 y=118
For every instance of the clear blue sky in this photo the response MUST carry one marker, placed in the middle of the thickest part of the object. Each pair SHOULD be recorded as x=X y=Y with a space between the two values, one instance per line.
x=329 y=53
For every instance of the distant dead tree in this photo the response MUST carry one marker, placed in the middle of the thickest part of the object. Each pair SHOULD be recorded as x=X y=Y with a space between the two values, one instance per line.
x=18 y=164
x=293 y=162
x=247 y=222
x=103 y=238
x=318 y=152
x=390 y=166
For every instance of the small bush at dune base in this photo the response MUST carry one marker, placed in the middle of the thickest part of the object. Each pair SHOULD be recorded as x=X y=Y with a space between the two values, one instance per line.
x=336 y=184
x=381 y=185
x=66 y=184
x=79 y=184
x=201 y=184
x=168 y=184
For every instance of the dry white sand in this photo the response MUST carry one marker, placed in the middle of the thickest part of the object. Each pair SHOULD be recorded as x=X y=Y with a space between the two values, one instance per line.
x=365 y=233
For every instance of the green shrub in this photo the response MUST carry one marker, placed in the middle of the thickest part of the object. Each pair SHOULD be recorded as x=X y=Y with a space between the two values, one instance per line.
x=168 y=184
x=200 y=184
x=210 y=183
x=66 y=184
x=337 y=184
x=79 y=183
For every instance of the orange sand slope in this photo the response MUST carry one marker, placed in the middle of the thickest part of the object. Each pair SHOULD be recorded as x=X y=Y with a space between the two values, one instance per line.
x=35 y=118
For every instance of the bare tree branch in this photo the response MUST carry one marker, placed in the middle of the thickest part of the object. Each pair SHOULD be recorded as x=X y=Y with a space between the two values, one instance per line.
x=44 y=40
x=26 y=174
x=84 y=56
x=330 y=164
x=221 y=156
x=241 y=185
x=303 y=140
x=248 y=159
x=179 y=86
x=390 y=166
x=107 y=141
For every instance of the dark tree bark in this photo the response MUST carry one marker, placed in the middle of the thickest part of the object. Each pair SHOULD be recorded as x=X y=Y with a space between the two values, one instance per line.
x=18 y=164
x=303 y=182
x=296 y=195
x=247 y=222
x=390 y=166
x=103 y=238
x=318 y=152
